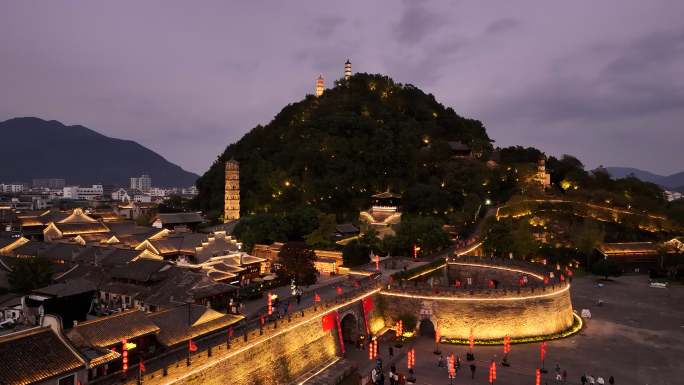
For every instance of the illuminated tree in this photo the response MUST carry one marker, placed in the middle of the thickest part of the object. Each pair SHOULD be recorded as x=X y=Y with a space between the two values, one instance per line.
x=298 y=263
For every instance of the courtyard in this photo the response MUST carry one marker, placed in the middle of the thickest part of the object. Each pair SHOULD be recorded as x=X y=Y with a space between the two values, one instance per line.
x=637 y=337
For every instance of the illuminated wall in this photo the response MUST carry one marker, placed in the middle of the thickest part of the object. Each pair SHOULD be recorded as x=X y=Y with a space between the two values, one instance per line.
x=280 y=355
x=535 y=310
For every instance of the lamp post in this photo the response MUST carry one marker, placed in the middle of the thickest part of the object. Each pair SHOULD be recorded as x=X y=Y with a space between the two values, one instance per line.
x=437 y=338
x=410 y=363
x=543 y=353
x=507 y=348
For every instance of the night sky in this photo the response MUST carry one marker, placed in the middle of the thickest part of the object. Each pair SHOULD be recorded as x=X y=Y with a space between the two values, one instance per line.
x=601 y=80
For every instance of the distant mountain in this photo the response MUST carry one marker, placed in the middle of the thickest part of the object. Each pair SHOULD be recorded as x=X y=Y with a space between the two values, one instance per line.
x=34 y=149
x=675 y=181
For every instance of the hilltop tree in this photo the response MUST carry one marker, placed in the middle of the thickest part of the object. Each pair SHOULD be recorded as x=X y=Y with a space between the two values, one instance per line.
x=333 y=152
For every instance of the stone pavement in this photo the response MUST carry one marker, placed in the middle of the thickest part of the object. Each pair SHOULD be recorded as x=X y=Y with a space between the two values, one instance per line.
x=637 y=337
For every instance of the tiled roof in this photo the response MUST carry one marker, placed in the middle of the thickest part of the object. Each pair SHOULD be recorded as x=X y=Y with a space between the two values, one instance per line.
x=628 y=248
x=179 y=218
x=67 y=288
x=141 y=270
x=183 y=286
x=459 y=146
x=33 y=221
x=387 y=194
x=33 y=248
x=77 y=216
x=110 y=330
x=33 y=356
x=98 y=356
x=346 y=228
x=81 y=228
x=176 y=329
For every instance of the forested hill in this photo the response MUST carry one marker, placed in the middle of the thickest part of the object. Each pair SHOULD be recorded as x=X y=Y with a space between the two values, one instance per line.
x=360 y=137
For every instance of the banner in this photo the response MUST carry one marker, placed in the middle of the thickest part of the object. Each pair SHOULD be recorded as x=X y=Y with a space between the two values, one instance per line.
x=367 y=304
x=339 y=330
x=328 y=322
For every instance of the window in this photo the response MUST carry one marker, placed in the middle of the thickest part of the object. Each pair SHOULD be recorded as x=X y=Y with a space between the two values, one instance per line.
x=67 y=380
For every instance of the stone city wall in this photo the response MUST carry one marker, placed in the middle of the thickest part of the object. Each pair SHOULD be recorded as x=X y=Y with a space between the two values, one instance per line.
x=275 y=354
x=536 y=309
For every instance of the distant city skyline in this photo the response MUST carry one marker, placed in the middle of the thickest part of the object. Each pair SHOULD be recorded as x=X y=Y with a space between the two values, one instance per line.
x=602 y=81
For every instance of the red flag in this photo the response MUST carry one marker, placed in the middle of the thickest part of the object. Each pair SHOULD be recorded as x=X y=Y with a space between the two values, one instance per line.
x=521 y=282
x=491 y=283
x=328 y=321
x=262 y=319
x=339 y=290
x=317 y=297
x=367 y=304
x=562 y=277
x=142 y=366
x=193 y=347
x=458 y=283
x=370 y=279
x=356 y=284
x=436 y=290
x=546 y=280
x=569 y=273
x=391 y=279
x=230 y=332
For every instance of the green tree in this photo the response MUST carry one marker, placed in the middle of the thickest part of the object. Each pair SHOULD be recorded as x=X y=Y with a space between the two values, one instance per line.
x=586 y=236
x=607 y=267
x=322 y=236
x=355 y=254
x=298 y=263
x=303 y=221
x=30 y=273
x=146 y=218
x=422 y=231
x=262 y=229
x=499 y=238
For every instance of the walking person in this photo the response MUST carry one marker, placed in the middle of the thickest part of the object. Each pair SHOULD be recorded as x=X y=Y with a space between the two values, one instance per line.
x=458 y=362
x=583 y=379
x=441 y=362
x=599 y=381
x=591 y=379
x=611 y=380
x=391 y=378
x=558 y=372
x=565 y=375
x=472 y=369
x=391 y=351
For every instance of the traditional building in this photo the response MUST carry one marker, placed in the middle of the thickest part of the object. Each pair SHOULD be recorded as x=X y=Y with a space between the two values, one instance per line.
x=177 y=220
x=385 y=210
x=635 y=257
x=40 y=356
x=232 y=192
x=347 y=70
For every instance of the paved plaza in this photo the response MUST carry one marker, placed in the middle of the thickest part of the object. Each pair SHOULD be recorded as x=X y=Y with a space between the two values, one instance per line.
x=637 y=337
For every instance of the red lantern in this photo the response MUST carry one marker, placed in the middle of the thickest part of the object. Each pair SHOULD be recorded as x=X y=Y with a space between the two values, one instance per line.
x=471 y=338
x=492 y=372
x=491 y=283
x=521 y=282
x=270 y=305
x=370 y=350
x=538 y=377
x=339 y=290
x=391 y=279
x=543 y=350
